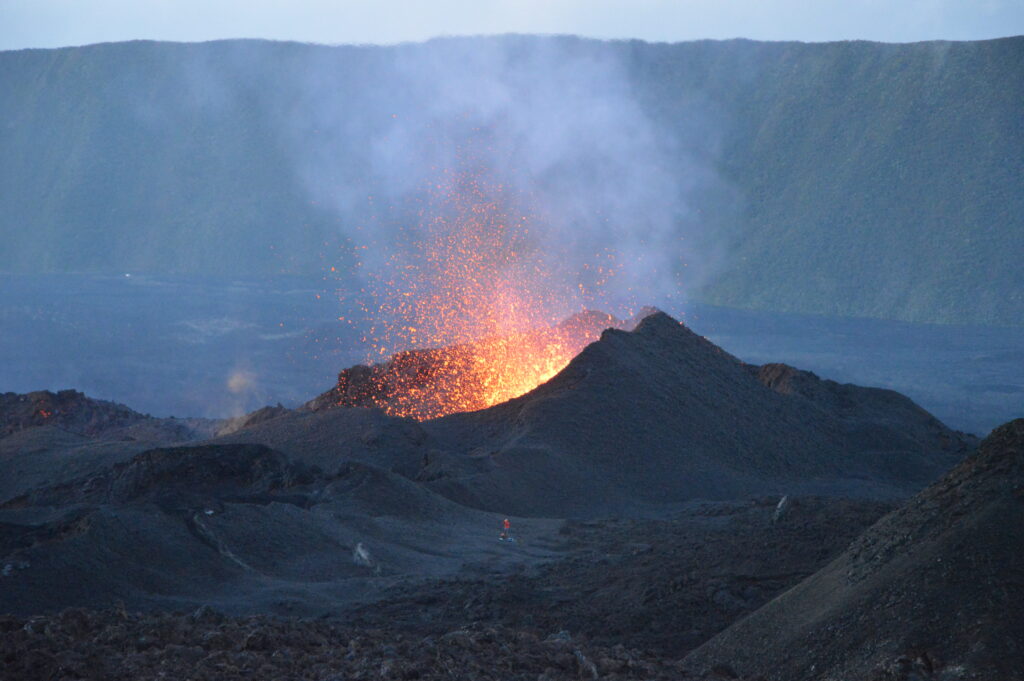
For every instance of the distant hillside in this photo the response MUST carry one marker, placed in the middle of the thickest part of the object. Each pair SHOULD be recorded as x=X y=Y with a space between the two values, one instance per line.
x=846 y=178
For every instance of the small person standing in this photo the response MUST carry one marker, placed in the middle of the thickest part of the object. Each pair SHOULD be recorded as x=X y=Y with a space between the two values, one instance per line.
x=506 y=531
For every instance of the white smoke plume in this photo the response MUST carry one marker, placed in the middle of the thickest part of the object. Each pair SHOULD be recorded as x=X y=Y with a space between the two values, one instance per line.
x=602 y=188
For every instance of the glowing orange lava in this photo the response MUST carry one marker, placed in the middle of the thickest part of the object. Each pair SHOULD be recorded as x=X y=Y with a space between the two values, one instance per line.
x=432 y=382
x=468 y=316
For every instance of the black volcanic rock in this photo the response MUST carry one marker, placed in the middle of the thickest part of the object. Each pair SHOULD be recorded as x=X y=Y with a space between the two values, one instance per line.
x=637 y=422
x=206 y=471
x=67 y=409
x=935 y=590
x=660 y=414
x=330 y=438
x=207 y=646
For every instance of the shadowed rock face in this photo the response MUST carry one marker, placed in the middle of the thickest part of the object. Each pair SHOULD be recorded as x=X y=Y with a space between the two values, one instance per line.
x=68 y=409
x=660 y=414
x=932 y=591
x=210 y=471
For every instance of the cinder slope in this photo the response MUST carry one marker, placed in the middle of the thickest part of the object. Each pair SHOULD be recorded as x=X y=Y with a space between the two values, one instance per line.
x=933 y=590
x=330 y=438
x=47 y=438
x=241 y=527
x=661 y=414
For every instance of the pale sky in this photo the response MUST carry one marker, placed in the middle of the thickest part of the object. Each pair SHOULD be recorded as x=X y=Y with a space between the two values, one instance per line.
x=56 y=23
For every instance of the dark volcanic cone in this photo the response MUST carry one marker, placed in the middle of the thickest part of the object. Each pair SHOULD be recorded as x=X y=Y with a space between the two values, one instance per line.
x=638 y=420
x=935 y=590
x=661 y=414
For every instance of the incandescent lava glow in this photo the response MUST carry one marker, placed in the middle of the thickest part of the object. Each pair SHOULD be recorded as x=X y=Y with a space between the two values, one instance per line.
x=467 y=315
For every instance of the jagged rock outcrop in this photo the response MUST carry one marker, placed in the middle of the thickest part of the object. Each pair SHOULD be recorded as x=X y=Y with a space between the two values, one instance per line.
x=67 y=409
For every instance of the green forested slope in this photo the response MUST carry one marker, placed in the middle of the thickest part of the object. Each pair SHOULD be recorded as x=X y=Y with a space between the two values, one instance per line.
x=852 y=178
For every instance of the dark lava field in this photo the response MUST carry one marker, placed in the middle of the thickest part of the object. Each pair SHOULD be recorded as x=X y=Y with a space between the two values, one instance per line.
x=676 y=513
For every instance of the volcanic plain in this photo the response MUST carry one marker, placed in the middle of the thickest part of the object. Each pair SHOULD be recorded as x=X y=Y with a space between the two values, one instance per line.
x=674 y=511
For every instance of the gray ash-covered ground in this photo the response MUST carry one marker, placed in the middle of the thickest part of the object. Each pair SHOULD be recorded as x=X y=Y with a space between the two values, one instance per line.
x=643 y=484
x=628 y=599
x=660 y=585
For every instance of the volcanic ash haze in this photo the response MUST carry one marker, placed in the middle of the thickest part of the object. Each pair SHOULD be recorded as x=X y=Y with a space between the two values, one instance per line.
x=495 y=186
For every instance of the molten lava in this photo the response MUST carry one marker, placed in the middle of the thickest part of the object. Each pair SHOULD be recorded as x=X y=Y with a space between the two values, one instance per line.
x=466 y=316
x=429 y=383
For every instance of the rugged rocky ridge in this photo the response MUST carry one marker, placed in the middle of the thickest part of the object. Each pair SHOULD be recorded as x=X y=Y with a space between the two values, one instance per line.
x=49 y=438
x=660 y=415
x=67 y=409
x=933 y=591
x=210 y=472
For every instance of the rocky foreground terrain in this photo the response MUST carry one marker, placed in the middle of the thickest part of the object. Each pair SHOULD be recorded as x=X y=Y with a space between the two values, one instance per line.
x=729 y=522
x=625 y=600
x=933 y=590
x=78 y=644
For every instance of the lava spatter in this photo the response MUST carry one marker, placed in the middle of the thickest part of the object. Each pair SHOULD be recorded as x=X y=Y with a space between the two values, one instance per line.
x=467 y=313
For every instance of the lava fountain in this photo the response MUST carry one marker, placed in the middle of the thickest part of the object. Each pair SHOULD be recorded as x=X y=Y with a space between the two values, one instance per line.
x=468 y=314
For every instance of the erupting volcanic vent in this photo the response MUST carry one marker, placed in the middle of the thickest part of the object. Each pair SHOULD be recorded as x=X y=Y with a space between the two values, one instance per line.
x=467 y=314
x=430 y=383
